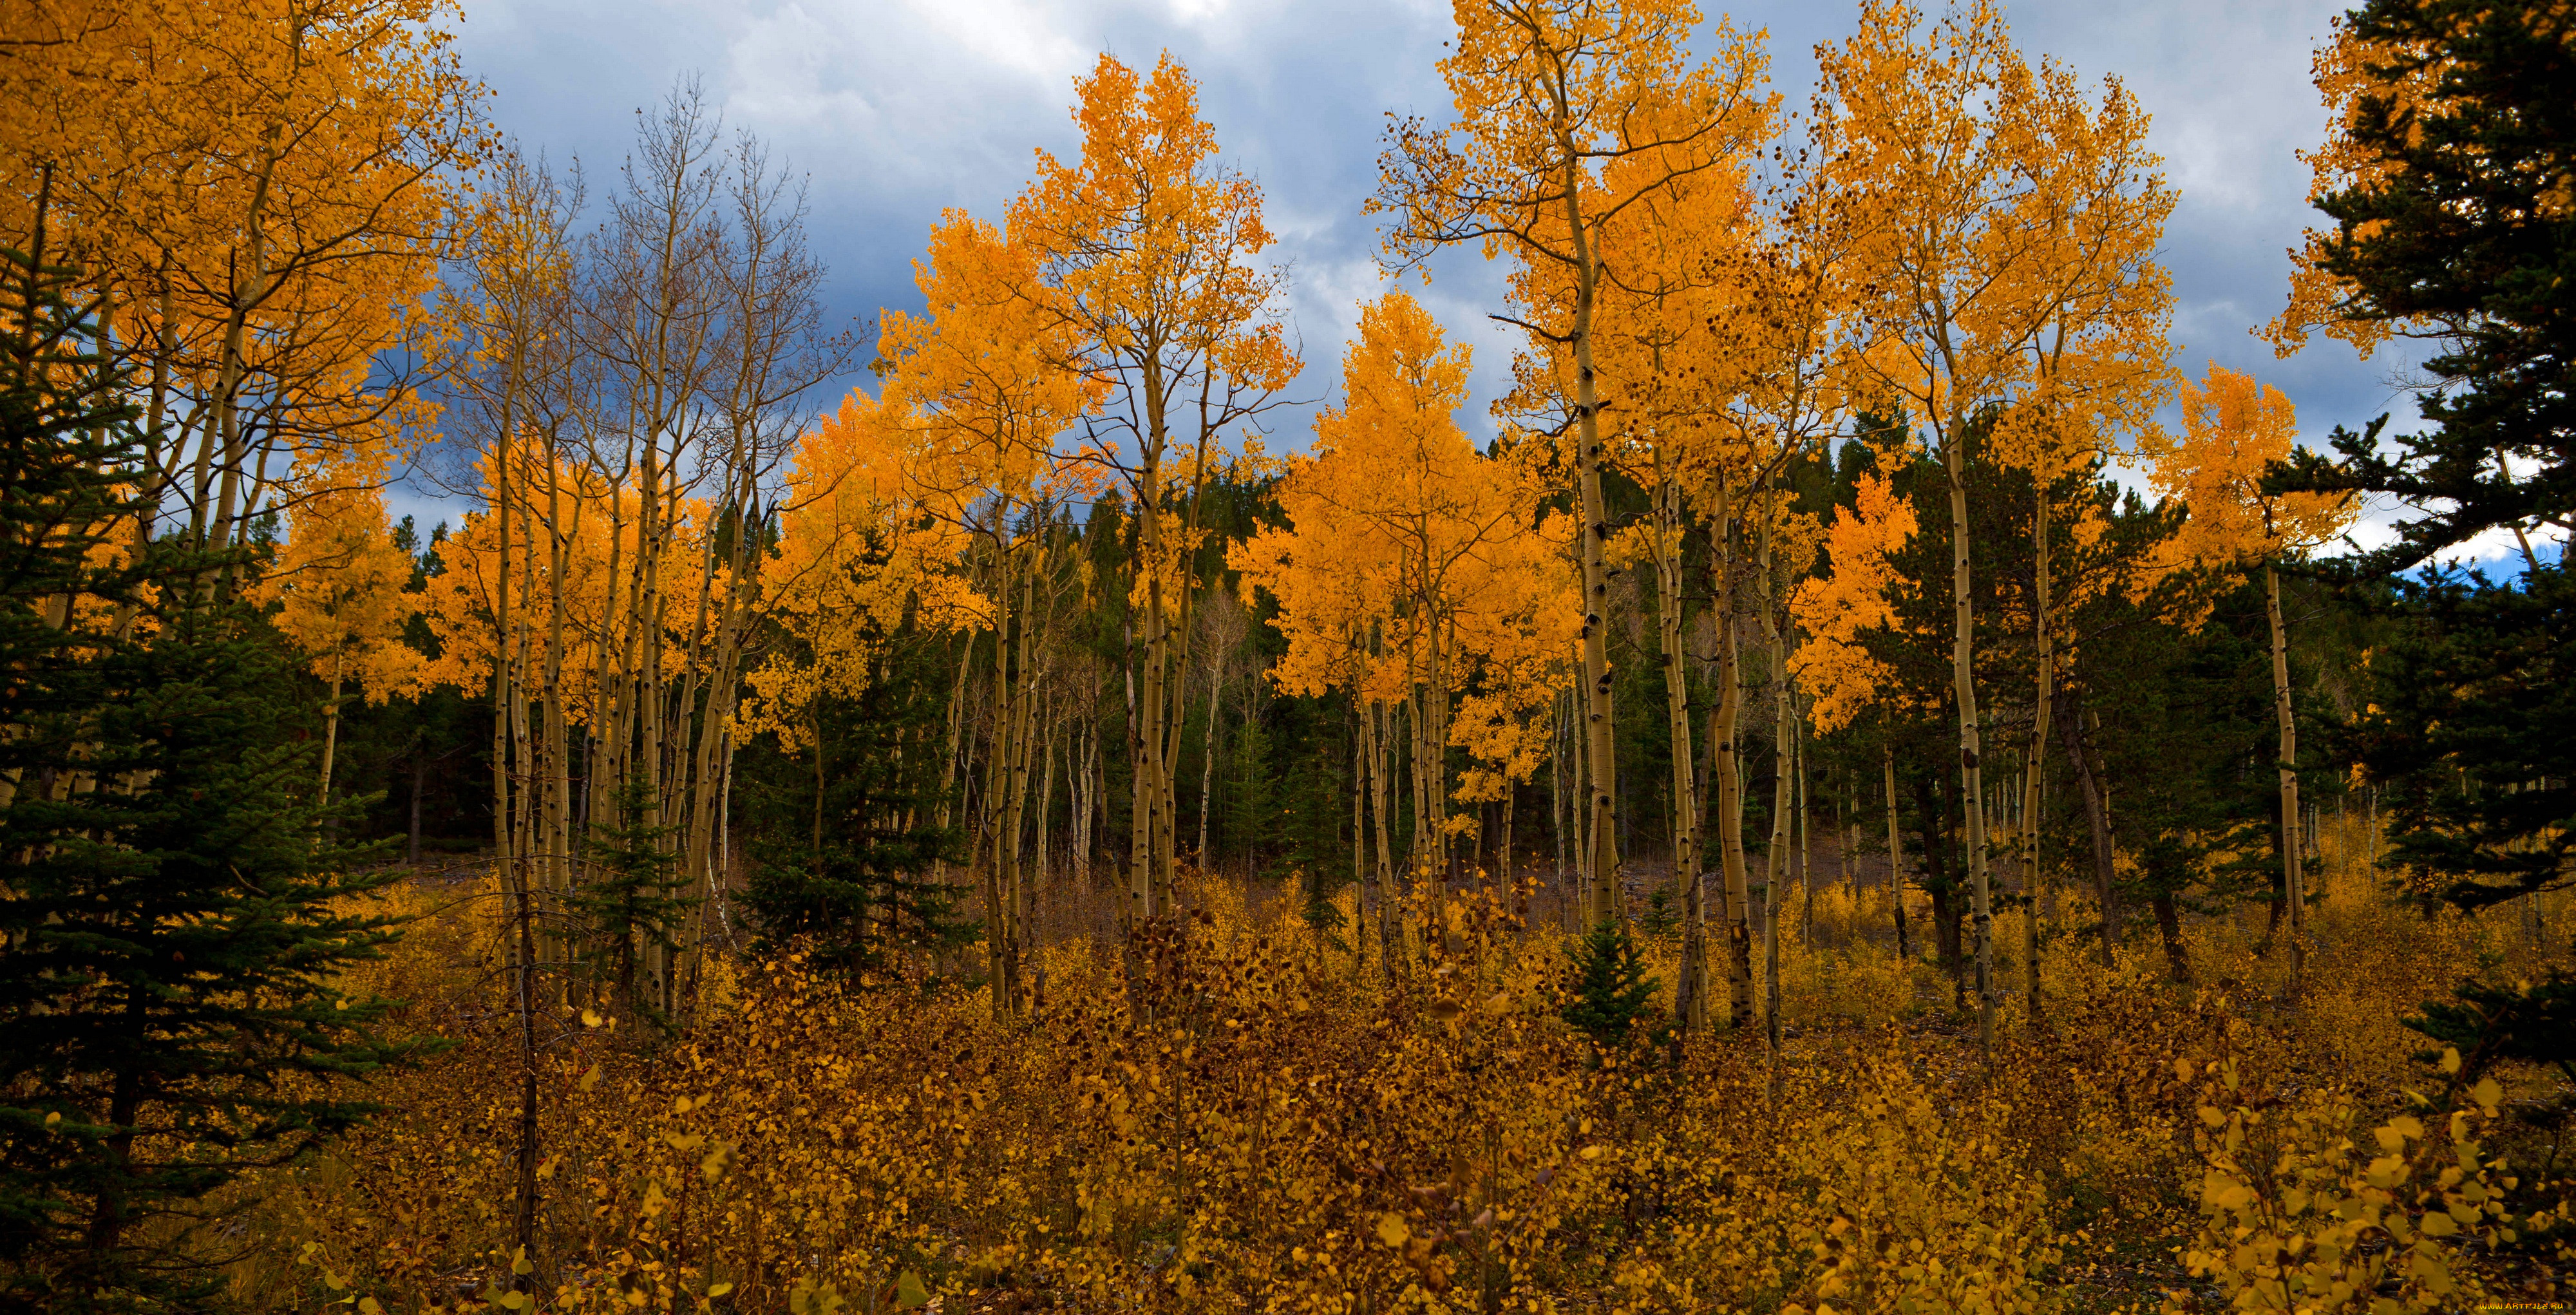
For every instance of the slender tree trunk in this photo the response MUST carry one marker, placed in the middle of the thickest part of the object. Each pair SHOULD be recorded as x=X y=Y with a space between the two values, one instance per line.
x=1601 y=744
x=2097 y=817
x=2034 y=761
x=1691 y=993
x=1725 y=724
x=1207 y=767
x=2292 y=870
x=1359 y=831
x=419 y=782
x=1146 y=726
x=1806 y=852
x=1895 y=860
x=1971 y=770
x=331 y=726
x=1381 y=799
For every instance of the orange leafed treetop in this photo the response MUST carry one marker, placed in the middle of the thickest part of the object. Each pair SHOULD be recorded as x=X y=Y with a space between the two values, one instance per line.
x=1837 y=609
x=2233 y=428
x=341 y=584
x=988 y=378
x=1399 y=529
x=858 y=552
x=2003 y=232
x=1148 y=248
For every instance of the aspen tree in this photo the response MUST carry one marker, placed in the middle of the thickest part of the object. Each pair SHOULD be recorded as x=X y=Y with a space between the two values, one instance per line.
x=1225 y=628
x=2097 y=364
x=2233 y=431
x=1965 y=170
x=263 y=190
x=341 y=588
x=1567 y=114
x=987 y=374
x=1147 y=249
x=1671 y=357
x=1410 y=562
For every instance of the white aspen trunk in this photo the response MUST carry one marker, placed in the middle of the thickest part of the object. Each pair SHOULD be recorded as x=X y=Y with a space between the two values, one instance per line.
x=1207 y=767
x=1896 y=862
x=1556 y=767
x=1046 y=806
x=1776 y=862
x=1691 y=993
x=1381 y=798
x=1806 y=837
x=1725 y=725
x=1601 y=744
x=2291 y=868
x=331 y=726
x=1971 y=770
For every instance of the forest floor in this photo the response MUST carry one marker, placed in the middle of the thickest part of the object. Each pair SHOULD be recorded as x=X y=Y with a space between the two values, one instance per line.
x=1240 y=1113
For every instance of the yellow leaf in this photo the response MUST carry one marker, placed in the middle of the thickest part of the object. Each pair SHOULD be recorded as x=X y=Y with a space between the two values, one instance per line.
x=2450 y=1059
x=719 y=1289
x=2487 y=1093
x=520 y=1264
x=908 y=1292
x=1392 y=1230
x=591 y=1078
x=590 y=1018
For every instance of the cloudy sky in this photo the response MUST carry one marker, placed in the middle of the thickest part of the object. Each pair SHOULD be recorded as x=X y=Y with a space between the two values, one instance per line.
x=896 y=109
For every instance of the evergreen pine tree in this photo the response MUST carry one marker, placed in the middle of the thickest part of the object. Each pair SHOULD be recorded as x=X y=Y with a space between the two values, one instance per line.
x=171 y=921
x=846 y=833
x=2452 y=224
x=634 y=900
x=1612 y=992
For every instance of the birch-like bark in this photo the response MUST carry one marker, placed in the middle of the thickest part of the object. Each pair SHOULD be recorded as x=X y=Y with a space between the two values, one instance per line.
x=1895 y=860
x=1691 y=994
x=331 y=727
x=2292 y=870
x=1725 y=724
x=1207 y=765
x=1971 y=771
x=1601 y=745
x=2034 y=761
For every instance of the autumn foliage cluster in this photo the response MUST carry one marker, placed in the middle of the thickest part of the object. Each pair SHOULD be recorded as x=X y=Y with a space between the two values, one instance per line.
x=1855 y=784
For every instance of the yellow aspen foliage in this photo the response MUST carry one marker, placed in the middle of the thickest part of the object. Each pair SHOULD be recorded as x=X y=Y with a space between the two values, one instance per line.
x=261 y=192
x=2233 y=429
x=857 y=554
x=341 y=584
x=1148 y=250
x=1837 y=609
x=1568 y=114
x=462 y=599
x=2304 y=1211
x=1413 y=569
